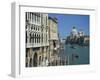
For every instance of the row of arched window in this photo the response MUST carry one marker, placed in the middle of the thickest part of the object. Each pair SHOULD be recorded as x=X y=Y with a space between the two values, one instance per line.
x=36 y=28
x=32 y=27
x=33 y=17
x=35 y=38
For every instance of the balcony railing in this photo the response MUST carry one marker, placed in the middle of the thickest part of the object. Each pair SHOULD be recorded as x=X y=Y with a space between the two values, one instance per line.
x=28 y=45
x=36 y=23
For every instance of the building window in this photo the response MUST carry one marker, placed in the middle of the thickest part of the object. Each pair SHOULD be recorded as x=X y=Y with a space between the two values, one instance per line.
x=30 y=62
x=40 y=60
x=35 y=17
x=42 y=38
x=41 y=19
x=30 y=38
x=41 y=28
x=35 y=38
x=26 y=52
x=26 y=16
x=34 y=27
x=38 y=28
x=54 y=44
x=30 y=16
x=31 y=27
x=26 y=36
x=39 y=38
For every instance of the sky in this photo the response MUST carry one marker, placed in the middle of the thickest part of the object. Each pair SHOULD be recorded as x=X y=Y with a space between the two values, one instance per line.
x=67 y=21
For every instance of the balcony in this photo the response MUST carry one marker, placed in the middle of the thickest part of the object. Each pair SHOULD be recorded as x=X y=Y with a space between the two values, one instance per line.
x=31 y=45
x=35 y=23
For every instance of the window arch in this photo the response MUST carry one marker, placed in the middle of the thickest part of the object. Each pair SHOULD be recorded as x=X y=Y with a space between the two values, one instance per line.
x=40 y=60
x=35 y=37
x=30 y=63
x=39 y=38
x=26 y=37
x=30 y=37
x=35 y=59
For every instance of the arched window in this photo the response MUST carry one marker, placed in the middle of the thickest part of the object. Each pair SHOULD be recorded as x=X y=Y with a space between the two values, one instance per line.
x=35 y=37
x=27 y=52
x=34 y=27
x=35 y=60
x=40 y=60
x=39 y=38
x=30 y=64
x=30 y=37
x=30 y=16
x=42 y=37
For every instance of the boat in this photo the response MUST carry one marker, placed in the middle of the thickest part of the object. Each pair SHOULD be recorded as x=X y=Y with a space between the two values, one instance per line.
x=75 y=56
x=73 y=47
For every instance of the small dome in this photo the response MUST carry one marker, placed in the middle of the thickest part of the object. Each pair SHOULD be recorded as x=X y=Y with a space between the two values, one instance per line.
x=81 y=33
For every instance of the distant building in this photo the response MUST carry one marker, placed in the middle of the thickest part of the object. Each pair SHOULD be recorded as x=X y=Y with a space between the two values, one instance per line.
x=77 y=37
x=76 y=33
x=80 y=33
x=86 y=39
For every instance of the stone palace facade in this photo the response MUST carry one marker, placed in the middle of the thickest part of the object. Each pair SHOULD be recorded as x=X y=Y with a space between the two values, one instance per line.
x=37 y=39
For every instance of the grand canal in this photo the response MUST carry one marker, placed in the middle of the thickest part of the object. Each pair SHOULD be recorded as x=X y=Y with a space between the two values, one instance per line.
x=75 y=54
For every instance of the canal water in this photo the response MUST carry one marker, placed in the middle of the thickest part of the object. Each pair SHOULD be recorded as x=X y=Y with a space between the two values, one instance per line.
x=75 y=55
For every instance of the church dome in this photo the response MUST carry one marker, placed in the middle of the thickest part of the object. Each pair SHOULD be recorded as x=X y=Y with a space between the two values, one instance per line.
x=74 y=31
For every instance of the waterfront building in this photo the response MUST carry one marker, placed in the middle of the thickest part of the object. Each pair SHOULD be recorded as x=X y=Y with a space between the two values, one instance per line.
x=37 y=39
x=80 y=33
x=77 y=37
x=75 y=33
x=86 y=39
x=53 y=40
